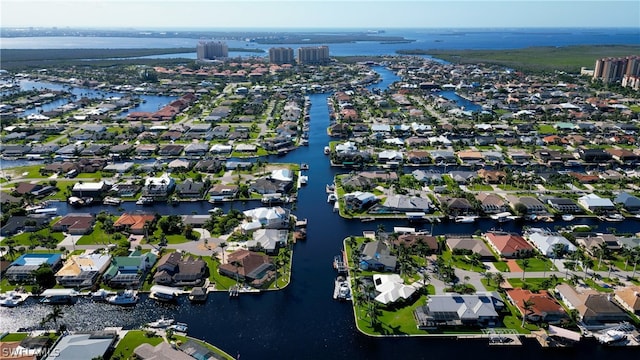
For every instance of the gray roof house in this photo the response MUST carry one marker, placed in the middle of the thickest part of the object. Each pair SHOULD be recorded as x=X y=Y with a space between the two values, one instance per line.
x=480 y=309
x=376 y=256
x=629 y=202
x=405 y=203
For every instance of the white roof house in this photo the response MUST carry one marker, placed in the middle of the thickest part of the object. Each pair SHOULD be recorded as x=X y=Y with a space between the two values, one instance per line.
x=89 y=186
x=282 y=174
x=269 y=239
x=219 y=148
x=346 y=147
x=391 y=288
x=269 y=217
x=545 y=241
x=593 y=202
x=390 y=155
x=380 y=128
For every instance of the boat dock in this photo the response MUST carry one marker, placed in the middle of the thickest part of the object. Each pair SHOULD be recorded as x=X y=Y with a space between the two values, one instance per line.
x=340 y=264
x=342 y=289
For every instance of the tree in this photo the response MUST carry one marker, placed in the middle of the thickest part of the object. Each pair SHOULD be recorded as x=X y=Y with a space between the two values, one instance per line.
x=525 y=263
x=526 y=309
x=56 y=314
x=45 y=277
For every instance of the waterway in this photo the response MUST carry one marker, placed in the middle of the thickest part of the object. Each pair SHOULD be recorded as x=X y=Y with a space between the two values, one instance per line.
x=301 y=321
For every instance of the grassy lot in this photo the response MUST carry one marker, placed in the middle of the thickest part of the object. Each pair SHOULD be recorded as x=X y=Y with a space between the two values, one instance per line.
x=14 y=337
x=395 y=322
x=221 y=282
x=480 y=187
x=501 y=266
x=547 y=129
x=133 y=339
x=536 y=264
x=596 y=286
x=23 y=238
x=460 y=261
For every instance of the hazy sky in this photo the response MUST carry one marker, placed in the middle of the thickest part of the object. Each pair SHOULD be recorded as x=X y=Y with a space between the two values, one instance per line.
x=368 y=14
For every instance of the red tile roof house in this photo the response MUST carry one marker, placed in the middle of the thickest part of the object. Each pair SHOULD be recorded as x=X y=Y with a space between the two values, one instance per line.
x=253 y=268
x=544 y=309
x=75 y=224
x=133 y=223
x=509 y=245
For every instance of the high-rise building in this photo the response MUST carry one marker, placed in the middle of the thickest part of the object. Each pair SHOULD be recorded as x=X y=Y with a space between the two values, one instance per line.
x=281 y=55
x=615 y=69
x=313 y=55
x=209 y=50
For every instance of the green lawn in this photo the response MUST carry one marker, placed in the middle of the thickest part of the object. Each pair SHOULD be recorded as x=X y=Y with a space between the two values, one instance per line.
x=14 y=337
x=221 y=282
x=460 y=261
x=501 y=266
x=635 y=108
x=480 y=187
x=396 y=322
x=536 y=264
x=133 y=339
x=23 y=238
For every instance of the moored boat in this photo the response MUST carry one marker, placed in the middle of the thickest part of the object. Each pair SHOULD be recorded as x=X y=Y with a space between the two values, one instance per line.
x=465 y=219
x=160 y=323
x=568 y=217
x=124 y=298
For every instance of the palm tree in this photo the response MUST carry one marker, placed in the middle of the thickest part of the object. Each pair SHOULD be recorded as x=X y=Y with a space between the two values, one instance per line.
x=569 y=265
x=588 y=264
x=558 y=250
x=525 y=263
x=372 y=312
x=222 y=246
x=499 y=279
x=526 y=308
x=55 y=315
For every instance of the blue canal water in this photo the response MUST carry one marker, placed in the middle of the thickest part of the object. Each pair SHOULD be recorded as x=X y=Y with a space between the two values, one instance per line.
x=150 y=103
x=301 y=321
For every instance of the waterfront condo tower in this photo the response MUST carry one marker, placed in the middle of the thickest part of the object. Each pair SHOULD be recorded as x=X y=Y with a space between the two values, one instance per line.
x=313 y=55
x=281 y=55
x=209 y=50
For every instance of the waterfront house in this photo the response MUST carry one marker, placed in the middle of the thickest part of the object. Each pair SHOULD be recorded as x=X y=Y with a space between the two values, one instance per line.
x=83 y=270
x=120 y=168
x=90 y=189
x=196 y=149
x=629 y=298
x=546 y=241
x=267 y=217
x=457 y=206
x=176 y=269
x=268 y=240
x=461 y=176
x=492 y=203
x=480 y=309
x=592 y=242
x=75 y=224
x=22 y=269
x=162 y=351
x=190 y=189
x=544 y=308
x=628 y=202
x=209 y=165
x=595 y=310
x=133 y=223
x=411 y=241
x=357 y=181
x=272 y=185
x=178 y=165
x=391 y=288
x=91 y=345
x=359 y=200
x=418 y=157
x=159 y=187
x=403 y=203
x=508 y=245
x=531 y=205
x=564 y=205
x=443 y=156
x=129 y=271
x=468 y=244
x=595 y=203
x=170 y=150
x=253 y=268
x=376 y=256
x=220 y=192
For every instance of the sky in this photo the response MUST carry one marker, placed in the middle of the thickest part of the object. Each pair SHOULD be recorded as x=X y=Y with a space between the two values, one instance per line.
x=361 y=14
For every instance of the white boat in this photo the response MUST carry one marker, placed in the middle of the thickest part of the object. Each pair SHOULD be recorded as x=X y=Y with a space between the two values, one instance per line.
x=111 y=201
x=124 y=298
x=144 y=201
x=327 y=150
x=613 y=217
x=341 y=290
x=12 y=299
x=100 y=295
x=331 y=198
x=465 y=219
x=179 y=327
x=568 y=217
x=304 y=179
x=161 y=323
x=501 y=217
x=215 y=210
x=611 y=336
